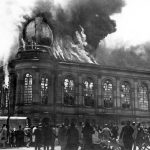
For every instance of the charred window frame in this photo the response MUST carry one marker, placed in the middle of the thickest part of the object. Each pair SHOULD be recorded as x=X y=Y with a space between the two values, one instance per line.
x=108 y=94
x=143 y=96
x=28 y=95
x=88 y=92
x=44 y=89
x=125 y=95
x=69 y=91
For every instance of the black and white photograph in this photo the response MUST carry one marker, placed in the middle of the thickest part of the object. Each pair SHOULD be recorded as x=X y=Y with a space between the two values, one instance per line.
x=75 y=74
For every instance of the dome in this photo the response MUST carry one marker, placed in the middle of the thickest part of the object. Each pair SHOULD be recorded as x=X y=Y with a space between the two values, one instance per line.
x=39 y=32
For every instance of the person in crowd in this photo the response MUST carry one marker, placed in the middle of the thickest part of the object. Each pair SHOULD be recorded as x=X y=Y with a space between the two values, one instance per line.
x=114 y=131
x=53 y=137
x=73 y=137
x=19 y=137
x=87 y=136
x=12 y=138
x=38 y=137
x=106 y=132
x=140 y=135
x=33 y=135
x=134 y=135
x=80 y=127
x=3 y=135
x=95 y=139
x=127 y=136
x=62 y=136
x=28 y=135
x=47 y=136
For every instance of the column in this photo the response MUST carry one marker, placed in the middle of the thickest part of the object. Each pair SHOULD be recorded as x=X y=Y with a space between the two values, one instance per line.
x=80 y=95
x=36 y=87
x=99 y=92
x=59 y=88
x=115 y=93
x=135 y=94
x=19 y=89
x=118 y=102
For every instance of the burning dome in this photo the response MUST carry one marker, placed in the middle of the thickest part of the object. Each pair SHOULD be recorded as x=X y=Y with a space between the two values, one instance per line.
x=38 y=32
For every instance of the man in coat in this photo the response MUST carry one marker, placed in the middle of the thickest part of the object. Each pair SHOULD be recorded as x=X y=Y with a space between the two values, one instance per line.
x=127 y=136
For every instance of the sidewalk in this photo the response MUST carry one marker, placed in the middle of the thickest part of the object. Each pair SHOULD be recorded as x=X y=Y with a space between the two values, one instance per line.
x=25 y=148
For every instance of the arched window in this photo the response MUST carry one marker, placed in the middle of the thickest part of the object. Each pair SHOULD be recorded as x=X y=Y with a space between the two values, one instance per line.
x=69 y=91
x=143 y=97
x=125 y=95
x=44 y=89
x=88 y=92
x=28 y=89
x=108 y=94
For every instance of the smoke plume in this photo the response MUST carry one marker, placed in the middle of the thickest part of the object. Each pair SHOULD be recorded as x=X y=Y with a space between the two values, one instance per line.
x=93 y=16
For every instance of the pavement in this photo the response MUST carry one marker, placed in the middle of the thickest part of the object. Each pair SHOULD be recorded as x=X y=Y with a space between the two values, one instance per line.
x=26 y=148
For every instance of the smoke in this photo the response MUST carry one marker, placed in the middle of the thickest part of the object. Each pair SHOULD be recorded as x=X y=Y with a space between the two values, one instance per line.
x=11 y=16
x=129 y=46
x=93 y=16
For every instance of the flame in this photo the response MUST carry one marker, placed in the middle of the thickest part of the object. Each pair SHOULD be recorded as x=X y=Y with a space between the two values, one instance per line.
x=66 y=49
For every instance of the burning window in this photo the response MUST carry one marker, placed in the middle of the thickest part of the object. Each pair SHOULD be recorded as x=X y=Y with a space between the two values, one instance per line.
x=88 y=91
x=44 y=89
x=69 y=91
x=125 y=95
x=108 y=94
x=143 y=97
x=28 y=89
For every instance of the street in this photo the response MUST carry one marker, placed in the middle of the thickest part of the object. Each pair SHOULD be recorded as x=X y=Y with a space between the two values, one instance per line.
x=30 y=148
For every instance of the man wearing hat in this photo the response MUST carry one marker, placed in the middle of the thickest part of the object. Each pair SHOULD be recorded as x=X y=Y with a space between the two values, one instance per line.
x=38 y=136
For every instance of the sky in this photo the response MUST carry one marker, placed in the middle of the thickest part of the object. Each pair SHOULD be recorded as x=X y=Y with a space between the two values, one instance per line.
x=133 y=24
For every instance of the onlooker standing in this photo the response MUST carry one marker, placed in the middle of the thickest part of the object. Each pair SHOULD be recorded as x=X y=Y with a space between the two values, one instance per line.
x=95 y=139
x=73 y=138
x=19 y=137
x=62 y=137
x=47 y=136
x=126 y=135
x=38 y=137
x=3 y=135
x=87 y=136
x=28 y=136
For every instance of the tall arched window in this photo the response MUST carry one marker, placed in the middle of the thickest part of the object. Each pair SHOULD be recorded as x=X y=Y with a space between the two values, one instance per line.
x=88 y=92
x=125 y=95
x=108 y=94
x=44 y=89
x=69 y=91
x=143 y=97
x=28 y=89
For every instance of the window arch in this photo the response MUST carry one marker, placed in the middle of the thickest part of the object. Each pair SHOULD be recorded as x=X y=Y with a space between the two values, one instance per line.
x=88 y=92
x=44 y=89
x=143 y=96
x=108 y=94
x=69 y=91
x=28 y=89
x=125 y=95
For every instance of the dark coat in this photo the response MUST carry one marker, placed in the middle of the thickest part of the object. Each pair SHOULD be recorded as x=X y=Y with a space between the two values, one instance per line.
x=87 y=134
x=47 y=135
x=72 y=137
x=38 y=136
x=126 y=135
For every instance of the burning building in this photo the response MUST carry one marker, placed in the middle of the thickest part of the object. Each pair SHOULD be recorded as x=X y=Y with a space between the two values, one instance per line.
x=48 y=80
x=54 y=74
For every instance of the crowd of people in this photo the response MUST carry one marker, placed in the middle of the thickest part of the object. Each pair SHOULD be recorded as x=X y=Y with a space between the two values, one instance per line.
x=71 y=136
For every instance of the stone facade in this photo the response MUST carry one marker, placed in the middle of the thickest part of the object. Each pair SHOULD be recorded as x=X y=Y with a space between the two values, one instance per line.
x=38 y=60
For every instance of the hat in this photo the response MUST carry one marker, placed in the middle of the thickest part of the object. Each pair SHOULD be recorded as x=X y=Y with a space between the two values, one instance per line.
x=40 y=125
